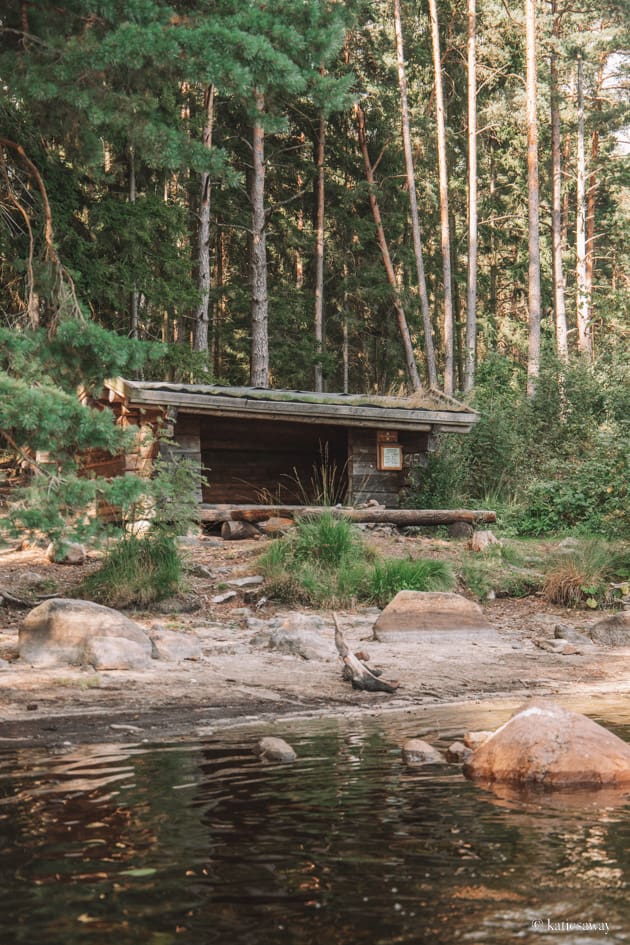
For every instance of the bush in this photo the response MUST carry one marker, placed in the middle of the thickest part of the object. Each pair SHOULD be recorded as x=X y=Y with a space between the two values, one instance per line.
x=325 y=562
x=585 y=576
x=136 y=571
x=558 y=461
x=389 y=577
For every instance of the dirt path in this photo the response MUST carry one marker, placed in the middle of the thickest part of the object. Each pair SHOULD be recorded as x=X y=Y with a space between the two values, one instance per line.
x=238 y=681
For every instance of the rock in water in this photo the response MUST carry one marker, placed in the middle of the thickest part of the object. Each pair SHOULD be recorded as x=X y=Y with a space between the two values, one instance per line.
x=433 y=617
x=416 y=752
x=59 y=631
x=551 y=747
x=275 y=749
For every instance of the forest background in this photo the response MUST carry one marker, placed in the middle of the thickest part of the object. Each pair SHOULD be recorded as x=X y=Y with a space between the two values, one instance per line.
x=359 y=196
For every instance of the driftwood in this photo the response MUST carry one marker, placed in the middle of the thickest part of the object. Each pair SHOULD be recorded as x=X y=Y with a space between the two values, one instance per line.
x=356 y=671
x=7 y=598
x=260 y=513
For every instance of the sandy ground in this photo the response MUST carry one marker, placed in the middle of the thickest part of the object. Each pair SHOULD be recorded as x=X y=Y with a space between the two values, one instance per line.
x=237 y=681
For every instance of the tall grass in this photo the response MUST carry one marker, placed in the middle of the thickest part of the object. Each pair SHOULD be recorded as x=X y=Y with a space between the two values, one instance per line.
x=135 y=572
x=325 y=562
x=584 y=576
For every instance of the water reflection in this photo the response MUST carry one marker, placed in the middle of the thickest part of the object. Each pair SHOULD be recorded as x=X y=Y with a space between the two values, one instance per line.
x=203 y=844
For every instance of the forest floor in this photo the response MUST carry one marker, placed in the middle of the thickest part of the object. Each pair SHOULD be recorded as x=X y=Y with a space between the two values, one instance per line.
x=238 y=681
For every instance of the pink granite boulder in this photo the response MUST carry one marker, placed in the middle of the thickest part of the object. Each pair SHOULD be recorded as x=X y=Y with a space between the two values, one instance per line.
x=548 y=746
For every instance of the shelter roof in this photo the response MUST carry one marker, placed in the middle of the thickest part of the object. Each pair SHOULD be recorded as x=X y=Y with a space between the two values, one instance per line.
x=430 y=410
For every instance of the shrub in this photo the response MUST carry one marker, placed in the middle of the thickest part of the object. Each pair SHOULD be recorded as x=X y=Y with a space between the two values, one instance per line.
x=389 y=577
x=325 y=562
x=584 y=577
x=136 y=571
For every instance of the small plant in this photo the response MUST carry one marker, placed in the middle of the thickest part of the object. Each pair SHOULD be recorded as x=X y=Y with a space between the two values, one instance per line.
x=389 y=577
x=324 y=561
x=135 y=571
x=584 y=577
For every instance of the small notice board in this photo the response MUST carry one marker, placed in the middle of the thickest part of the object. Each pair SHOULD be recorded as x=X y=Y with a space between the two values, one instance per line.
x=389 y=452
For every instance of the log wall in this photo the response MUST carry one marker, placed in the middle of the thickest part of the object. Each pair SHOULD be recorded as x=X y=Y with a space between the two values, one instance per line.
x=366 y=480
x=265 y=460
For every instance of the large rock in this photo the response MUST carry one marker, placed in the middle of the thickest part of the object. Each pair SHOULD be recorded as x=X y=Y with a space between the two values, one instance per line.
x=433 y=617
x=297 y=635
x=551 y=747
x=104 y=653
x=613 y=630
x=172 y=647
x=62 y=631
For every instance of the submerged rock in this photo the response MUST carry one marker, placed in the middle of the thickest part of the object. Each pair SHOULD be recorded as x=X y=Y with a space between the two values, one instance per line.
x=275 y=749
x=416 y=752
x=458 y=753
x=546 y=745
x=62 y=631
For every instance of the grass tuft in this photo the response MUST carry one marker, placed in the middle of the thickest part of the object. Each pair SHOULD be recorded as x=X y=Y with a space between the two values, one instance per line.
x=583 y=577
x=135 y=572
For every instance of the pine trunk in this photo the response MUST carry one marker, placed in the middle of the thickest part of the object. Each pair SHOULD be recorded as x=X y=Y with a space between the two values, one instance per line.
x=200 y=328
x=410 y=360
x=133 y=320
x=259 y=365
x=533 y=202
x=413 y=202
x=471 y=284
x=559 y=301
x=445 y=235
x=319 y=256
x=582 y=302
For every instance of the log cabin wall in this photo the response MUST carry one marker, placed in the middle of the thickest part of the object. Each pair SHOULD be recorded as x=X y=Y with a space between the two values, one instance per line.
x=184 y=442
x=366 y=480
x=268 y=461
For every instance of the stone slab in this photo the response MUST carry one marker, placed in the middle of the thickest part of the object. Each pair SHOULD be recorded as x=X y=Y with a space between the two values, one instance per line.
x=433 y=617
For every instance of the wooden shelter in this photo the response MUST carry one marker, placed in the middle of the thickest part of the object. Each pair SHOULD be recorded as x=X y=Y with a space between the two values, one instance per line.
x=255 y=445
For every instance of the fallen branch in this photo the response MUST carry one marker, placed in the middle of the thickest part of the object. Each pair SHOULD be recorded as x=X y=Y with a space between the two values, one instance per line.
x=356 y=671
x=7 y=598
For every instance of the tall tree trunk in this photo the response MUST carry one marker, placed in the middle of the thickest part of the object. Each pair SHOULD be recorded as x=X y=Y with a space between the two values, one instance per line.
x=559 y=301
x=440 y=114
x=470 y=350
x=319 y=255
x=410 y=360
x=533 y=203
x=200 y=328
x=133 y=319
x=413 y=202
x=582 y=306
x=259 y=364
x=591 y=196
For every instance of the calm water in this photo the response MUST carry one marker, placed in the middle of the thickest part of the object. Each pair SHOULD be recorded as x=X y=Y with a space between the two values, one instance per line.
x=200 y=843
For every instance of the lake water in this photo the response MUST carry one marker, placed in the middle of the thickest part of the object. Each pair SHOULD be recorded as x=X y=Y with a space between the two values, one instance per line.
x=200 y=843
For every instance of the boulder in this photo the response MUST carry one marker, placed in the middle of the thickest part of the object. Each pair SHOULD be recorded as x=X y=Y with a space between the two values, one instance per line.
x=170 y=646
x=482 y=540
x=613 y=630
x=297 y=635
x=548 y=746
x=115 y=653
x=433 y=617
x=416 y=752
x=474 y=740
x=68 y=552
x=275 y=749
x=58 y=631
x=457 y=753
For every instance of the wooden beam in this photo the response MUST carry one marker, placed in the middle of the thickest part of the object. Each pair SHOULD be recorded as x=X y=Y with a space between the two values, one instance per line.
x=259 y=513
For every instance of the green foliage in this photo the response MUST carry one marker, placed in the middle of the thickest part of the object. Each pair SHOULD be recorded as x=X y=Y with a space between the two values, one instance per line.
x=136 y=572
x=585 y=576
x=557 y=462
x=389 y=577
x=40 y=411
x=325 y=562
